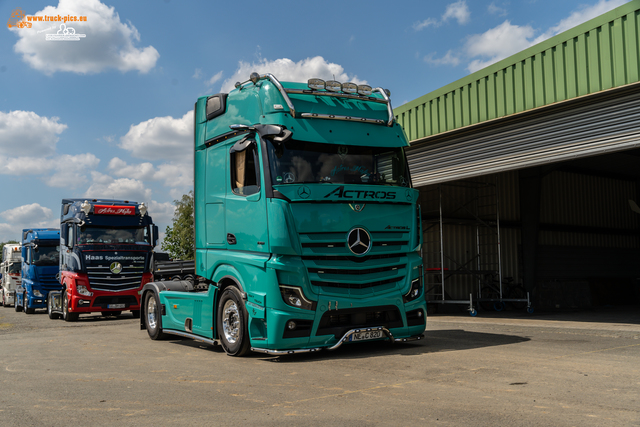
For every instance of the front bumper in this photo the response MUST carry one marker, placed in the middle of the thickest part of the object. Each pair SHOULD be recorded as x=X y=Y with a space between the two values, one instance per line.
x=105 y=301
x=344 y=339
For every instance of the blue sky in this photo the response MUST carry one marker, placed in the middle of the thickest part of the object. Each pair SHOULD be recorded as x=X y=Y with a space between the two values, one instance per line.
x=110 y=115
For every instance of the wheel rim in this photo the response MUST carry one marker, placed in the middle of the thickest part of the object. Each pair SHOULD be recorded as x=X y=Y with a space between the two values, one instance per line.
x=65 y=305
x=231 y=321
x=49 y=305
x=152 y=315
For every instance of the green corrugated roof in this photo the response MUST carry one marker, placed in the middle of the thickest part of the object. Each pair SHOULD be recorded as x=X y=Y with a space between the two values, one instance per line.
x=597 y=55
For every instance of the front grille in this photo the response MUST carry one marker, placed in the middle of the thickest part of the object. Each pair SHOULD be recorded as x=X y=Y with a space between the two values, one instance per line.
x=103 y=302
x=49 y=282
x=339 y=322
x=101 y=278
x=331 y=264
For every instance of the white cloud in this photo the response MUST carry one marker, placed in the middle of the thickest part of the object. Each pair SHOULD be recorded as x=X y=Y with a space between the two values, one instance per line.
x=580 y=16
x=109 y=43
x=506 y=39
x=23 y=133
x=448 y=59
x=162 y=213
x=287 y=70
x=26 y=216
x=214 y=79
x=459 y=11
x=496 y=10
x=429 y=22
x=161 y=138
x=497 y=43
x=71 y=171
x=174 y=175
x=104 y=186
x=197 y=74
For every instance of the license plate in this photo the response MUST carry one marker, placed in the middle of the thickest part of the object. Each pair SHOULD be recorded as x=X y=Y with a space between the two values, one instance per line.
x=116 y=306
x=364 y=336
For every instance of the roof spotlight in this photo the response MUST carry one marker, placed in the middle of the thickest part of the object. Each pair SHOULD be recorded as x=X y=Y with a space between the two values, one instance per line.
x=86 y=207
x=255 y=77
x=349 y=87
x=317 y=84
x=333 y=86
x=365 y=90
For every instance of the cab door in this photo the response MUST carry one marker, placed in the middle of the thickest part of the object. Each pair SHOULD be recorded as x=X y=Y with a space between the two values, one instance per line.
x=246 y=222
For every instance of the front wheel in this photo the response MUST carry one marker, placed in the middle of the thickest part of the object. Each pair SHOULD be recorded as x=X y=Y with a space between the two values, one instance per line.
x=16 y=307
x=153 y=316
x=66 y=314
x=50 y=312
x=231 y=323
x=25 y=303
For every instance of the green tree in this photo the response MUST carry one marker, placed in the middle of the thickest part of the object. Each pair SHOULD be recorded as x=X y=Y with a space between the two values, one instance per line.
x=180 y=238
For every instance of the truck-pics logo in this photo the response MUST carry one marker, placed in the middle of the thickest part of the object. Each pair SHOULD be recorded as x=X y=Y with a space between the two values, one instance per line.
x=341 y=193
x=65 y=34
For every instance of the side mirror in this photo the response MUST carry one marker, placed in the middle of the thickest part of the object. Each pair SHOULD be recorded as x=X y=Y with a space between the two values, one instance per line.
x=64 y=235
x=154 y=235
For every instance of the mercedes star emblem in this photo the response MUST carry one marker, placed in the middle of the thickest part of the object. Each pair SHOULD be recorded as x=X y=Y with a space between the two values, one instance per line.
x=359 y=241
x=115 y=267
x=304 y=192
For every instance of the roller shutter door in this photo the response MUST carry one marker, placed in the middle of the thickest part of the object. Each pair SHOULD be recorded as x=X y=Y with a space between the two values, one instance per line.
x=588 y=126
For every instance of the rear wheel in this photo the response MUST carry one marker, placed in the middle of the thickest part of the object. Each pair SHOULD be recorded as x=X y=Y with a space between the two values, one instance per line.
x=66 y=315
x=232 y=323
x=153 y=316
x=50 y=312
x=25 y=302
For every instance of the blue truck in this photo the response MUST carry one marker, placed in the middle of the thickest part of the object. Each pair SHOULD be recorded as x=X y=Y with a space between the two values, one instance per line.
x=40 y=268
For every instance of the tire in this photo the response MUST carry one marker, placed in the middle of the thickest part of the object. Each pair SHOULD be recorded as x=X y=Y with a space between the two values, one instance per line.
x=66 y=315
x=50 y=312
x=16 y=307
x=153 y=316
x=111 y=313
x=136 y=314
x=25 y=305
x=231 y=323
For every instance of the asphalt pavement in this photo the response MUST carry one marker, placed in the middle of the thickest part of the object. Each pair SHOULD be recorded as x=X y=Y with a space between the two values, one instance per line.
x=561 y=369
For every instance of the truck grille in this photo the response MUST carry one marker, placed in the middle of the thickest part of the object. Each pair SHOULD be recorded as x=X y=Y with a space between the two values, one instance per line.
x=49 y=282
x=338 y=322
x=331 y=264
x=102 y=279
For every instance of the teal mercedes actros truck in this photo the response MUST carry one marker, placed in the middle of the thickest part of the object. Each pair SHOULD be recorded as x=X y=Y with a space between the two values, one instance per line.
x=307 y=227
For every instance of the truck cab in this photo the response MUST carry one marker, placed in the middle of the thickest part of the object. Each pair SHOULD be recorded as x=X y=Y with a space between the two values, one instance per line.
x=106 y=257
x=10 y=272
x=40 y=258
x=307 y=227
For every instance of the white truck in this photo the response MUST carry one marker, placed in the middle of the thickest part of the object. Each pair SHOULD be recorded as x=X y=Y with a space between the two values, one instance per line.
x=10 y=269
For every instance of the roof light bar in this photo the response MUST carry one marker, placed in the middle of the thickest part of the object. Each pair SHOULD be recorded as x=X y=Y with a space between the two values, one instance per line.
x=317 y=84
x=365 y=90
x=349 y=87
x=333 y=86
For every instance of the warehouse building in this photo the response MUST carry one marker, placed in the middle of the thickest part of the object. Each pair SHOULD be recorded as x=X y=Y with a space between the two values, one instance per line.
x=529 y=175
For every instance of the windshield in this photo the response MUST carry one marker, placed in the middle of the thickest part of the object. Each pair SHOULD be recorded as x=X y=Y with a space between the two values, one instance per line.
x=46 y=255
x=93 y=235
x=295 y=162
x=14 y=268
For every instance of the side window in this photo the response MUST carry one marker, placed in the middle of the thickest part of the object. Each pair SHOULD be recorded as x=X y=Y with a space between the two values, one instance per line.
x=245 y=178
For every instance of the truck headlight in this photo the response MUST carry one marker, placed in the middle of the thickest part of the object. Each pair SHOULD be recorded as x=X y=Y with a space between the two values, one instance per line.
x=37 y=293
x=293 y=296
x=82 y=290
x=415 y=291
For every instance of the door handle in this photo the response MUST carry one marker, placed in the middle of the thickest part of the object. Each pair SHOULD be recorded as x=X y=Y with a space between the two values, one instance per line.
x=231 y=239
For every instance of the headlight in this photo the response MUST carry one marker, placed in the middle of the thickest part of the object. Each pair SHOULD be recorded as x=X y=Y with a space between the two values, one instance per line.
x=293 y=296
x=82 y=290
x=415 y=291
x=37 y=293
